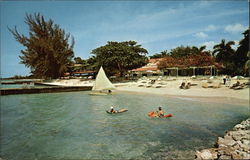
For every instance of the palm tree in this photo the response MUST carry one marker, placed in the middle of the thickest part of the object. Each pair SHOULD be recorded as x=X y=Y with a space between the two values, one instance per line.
x=223 y=52
x=247 y=64
x=201 y=49
x=196 y=50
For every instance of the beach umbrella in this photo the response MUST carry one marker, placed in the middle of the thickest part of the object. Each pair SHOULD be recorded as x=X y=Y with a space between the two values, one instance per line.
x=212 y=77
x=238 y=77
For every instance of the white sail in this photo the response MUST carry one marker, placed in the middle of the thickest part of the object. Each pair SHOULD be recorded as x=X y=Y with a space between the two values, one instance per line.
x=102 y=82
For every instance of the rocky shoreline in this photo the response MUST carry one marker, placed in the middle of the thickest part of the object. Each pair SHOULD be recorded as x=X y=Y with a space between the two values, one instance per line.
x=234 y=145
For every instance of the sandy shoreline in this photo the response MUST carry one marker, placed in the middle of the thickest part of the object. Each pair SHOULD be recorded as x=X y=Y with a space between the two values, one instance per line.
x=208 y=99
x=216 y=95
x=170 y=88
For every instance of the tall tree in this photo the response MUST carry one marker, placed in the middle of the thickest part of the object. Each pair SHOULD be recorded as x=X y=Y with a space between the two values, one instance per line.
x=186 y=51
x=181 y=51
x=47 y=51
x=241 y=56
x=247 y=64
x=78 y=60
x=120 y=56
x=160 y=55
x=224 y=53
x=201 y=49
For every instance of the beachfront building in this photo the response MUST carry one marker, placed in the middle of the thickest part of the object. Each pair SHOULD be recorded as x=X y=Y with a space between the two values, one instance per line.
x=151 y=69
x=199 y=64
x=84 y=74
x=79 y=71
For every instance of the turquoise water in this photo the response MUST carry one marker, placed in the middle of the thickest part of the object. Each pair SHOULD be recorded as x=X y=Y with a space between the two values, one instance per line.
x=22 y=86
x=74 y=125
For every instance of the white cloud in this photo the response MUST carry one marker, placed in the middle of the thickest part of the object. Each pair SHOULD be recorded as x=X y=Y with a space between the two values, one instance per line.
x=236 y=44
x=210 y=27
x=209 y=45
x=201 y=35
x=235 y=28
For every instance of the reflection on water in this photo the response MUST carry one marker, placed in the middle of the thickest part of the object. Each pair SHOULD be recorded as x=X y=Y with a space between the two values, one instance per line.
x=74 y=125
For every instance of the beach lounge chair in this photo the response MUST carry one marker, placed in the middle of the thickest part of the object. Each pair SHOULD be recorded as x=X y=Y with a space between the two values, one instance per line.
x=204 y=85
x=158 y=86
x=209 y=81
x=241 y=86
x=141 y=85
x=237 y=84
x=217 y=85
x=149 y=85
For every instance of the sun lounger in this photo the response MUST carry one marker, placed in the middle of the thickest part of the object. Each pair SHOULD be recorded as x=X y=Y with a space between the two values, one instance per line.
x=209 y=81
x=158 y=86
x=241 y=86
x=238 y=87
x=162 y=83
x=216 y=85
x=141 y=85
x=205 y=85
x=148 y=86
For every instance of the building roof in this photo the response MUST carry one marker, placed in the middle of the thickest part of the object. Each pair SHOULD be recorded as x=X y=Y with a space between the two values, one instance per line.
x=197 y=60
x=84 y=72
x=146 y=69
x=155 y=60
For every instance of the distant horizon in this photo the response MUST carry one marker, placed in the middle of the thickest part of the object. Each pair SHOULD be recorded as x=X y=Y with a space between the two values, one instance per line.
x=156 y=25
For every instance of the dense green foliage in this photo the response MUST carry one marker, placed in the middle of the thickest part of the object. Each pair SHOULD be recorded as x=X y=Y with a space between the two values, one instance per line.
x=181 y=52
x=119 y=57
x=247 y=64
x=241 y=54
x=187 y=51
x=224 y=54
x=160 y=55
x=235 y=62
x=47 y=51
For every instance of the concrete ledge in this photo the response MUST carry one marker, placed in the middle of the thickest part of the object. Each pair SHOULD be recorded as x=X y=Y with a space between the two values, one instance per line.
x=10 y=91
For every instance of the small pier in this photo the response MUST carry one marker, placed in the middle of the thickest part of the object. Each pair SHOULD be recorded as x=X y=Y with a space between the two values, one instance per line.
x=11 y=91
x=20 y=82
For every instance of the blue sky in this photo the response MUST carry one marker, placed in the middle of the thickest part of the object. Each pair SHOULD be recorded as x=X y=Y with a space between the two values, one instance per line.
x=156 y=25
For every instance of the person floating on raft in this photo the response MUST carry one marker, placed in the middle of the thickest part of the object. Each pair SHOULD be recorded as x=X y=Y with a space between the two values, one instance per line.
x=112 y=110
x=159 y=114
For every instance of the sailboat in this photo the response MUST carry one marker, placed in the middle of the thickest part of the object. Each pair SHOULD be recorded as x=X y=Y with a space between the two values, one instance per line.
x=102 y=84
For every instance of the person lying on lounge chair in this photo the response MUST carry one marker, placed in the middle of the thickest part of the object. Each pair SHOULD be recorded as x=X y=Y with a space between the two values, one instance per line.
x=235 y=85
x=188 y=85
x=182 y=86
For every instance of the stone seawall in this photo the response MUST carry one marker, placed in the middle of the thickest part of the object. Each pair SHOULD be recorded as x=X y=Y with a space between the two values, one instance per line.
x=234 y=145
x=9 y=91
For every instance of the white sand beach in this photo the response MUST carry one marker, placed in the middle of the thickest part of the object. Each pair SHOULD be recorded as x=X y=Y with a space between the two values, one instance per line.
x=170 y=87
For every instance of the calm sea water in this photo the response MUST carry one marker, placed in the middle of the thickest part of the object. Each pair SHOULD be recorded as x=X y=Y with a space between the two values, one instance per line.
x=74 y=125
x=22 y=86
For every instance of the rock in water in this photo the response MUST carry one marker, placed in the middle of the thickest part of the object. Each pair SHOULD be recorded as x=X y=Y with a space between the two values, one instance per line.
x=234 y=145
